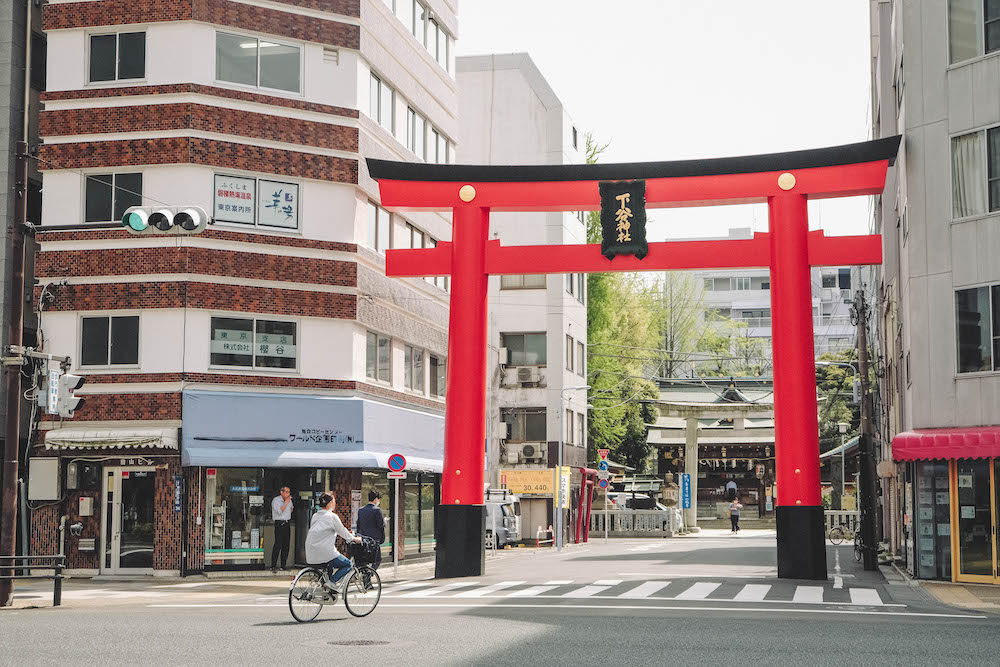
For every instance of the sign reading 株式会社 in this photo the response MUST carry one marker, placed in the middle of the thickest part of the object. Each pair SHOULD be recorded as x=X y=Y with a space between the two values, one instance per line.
x=623 y=218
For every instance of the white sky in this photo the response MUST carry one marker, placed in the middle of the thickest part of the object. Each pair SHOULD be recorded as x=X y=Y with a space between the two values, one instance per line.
x=673 y=79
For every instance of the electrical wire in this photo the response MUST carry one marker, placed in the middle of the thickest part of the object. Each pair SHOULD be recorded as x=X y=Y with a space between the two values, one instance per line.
x=95 y=177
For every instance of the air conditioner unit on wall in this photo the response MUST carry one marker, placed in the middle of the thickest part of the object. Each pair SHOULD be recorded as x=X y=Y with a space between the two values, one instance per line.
x=528 y=375
x=532 y=453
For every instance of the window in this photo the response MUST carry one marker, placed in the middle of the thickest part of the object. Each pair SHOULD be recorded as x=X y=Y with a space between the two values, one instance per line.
x=108 y=196
x=765 y=284
x=413 y=236
x=525 y=349
x=709 y=284
x=110 y=341
x=570 y=425
x=415 y=128
x=39 y=51
x=580 y=280
x=844 y=278
x=378 y=227
x=413 y=368
x=581 y=423
x=740 y=283
x=381 y=103
x=569 y=353
x=570 y=282
x=252 y=343
x=721 y=285
x=117 y=56
x=581 y=356
x=257 y=62
x=523 y=281
x=526 y=424
x=256 y=202
x=977 y=328
x=829 y=280
x=574 y=138
x=437 y=375
x=969 y=175
x=378 y=355
x=717 y=314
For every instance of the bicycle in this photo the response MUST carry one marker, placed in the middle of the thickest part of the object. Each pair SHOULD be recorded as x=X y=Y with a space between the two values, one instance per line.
x=310 y=591
x=838 y=534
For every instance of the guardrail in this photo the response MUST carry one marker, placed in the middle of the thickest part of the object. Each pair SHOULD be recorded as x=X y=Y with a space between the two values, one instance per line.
x=636 y=523
x=850 y=519
x=55 y=563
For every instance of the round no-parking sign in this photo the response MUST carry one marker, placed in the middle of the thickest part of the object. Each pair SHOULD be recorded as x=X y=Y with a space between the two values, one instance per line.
x=397 y=463
x=602 y=483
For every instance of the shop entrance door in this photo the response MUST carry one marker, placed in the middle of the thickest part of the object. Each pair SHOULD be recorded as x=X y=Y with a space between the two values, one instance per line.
x=976 y=509
x=127 y=520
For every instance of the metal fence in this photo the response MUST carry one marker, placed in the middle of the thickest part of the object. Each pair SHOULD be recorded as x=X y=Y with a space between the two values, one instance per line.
x=25 y=564
x=635 y=523
x=850 y=519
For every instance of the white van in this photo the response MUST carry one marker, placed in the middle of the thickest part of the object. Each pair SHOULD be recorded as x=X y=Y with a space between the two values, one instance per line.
x=503 y=518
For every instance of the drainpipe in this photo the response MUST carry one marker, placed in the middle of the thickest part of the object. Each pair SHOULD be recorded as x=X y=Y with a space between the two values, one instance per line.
x=62 y=535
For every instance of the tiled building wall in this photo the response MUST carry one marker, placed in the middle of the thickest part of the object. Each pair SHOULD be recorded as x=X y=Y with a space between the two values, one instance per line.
x=167 y=542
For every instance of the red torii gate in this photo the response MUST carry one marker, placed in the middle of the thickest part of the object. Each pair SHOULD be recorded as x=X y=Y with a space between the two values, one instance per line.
x=785 y=181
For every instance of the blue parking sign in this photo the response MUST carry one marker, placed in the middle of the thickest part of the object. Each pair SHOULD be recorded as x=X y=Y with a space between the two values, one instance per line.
x=686 y=491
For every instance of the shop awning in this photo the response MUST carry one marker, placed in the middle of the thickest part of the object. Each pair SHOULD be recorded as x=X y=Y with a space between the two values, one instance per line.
x=848 y=446
x=234 y=429
x=112 y=438
x=976 y=442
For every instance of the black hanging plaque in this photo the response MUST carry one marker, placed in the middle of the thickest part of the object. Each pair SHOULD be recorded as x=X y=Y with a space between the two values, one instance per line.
x=623 y=218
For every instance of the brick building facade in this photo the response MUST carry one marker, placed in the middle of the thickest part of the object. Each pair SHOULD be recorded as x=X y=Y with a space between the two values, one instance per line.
x=185 y=102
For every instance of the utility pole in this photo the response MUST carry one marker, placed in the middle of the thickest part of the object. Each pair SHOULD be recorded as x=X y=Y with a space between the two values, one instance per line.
x=12 y=435
x=865 y=440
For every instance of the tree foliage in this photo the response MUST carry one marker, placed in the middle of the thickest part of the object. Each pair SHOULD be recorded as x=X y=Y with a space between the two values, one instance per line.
x=834 y=385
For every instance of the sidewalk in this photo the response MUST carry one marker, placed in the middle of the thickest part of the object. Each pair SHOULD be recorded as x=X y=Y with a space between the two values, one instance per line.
x=976 y=597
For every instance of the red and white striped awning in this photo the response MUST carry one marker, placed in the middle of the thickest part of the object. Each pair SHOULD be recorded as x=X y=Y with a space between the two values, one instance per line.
x=974 y=442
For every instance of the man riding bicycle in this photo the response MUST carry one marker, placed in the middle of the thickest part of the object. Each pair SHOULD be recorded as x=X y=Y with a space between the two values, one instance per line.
x=321 y=542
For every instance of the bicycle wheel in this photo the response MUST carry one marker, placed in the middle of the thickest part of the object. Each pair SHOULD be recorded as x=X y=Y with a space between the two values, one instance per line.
x=858 y=546
x=363 y=591
x=836 y=535
x=306 y=588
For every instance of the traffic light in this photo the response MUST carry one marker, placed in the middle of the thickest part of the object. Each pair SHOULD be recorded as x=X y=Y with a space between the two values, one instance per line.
x=164 y=220
x=66 y=402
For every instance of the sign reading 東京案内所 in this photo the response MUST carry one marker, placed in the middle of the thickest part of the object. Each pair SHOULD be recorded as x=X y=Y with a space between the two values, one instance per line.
x=623 y=218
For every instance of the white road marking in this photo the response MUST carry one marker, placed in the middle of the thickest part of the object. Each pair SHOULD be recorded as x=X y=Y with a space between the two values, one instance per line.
x=531 y=592
x=190 y=585
x=403 y=587
x=866 y=596
x=607 y=582
x=808 y=594
x=558 y=582
x=440 y=589
x=752 y=593
x=698 y=591
x=585 y=592
x=486 y=590
x=838 y=581
x=644 y=590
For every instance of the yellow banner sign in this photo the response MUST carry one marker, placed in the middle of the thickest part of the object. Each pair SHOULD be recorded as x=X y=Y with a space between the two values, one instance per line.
x=538 y=483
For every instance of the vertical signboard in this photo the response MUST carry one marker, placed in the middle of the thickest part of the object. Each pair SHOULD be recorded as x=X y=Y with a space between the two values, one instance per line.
x=686 y=491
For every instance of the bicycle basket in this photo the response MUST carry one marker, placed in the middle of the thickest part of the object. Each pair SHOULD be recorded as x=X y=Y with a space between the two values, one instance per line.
x=366 y=551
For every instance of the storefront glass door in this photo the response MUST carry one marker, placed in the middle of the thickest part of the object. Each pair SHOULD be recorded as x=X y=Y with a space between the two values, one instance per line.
x=976 y=511
x=127 y=518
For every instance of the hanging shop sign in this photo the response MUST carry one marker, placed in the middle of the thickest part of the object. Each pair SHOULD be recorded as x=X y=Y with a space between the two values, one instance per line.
x=623 y=218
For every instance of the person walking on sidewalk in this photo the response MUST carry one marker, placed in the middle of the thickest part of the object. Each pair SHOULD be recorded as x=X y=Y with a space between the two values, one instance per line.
x=734 y=514
x=321 y=542
x=281 y=512
x=371 y=524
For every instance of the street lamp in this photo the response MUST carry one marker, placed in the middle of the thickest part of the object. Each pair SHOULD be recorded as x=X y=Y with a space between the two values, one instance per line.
x=557 y=510
x=843 y=426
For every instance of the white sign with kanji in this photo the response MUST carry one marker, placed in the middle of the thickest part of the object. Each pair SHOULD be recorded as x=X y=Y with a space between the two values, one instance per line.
x=234 y=199
x=278 y=204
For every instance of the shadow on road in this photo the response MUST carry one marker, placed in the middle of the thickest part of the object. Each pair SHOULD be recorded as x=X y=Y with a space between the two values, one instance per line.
x=279 y=624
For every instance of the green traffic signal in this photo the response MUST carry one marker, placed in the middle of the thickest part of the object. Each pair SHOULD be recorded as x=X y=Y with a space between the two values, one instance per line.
x=135 y=221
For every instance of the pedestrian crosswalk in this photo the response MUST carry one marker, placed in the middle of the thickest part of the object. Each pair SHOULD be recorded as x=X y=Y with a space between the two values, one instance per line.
x=682 y=590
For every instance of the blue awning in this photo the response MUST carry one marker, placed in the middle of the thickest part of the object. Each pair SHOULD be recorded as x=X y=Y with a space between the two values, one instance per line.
x=305 y=431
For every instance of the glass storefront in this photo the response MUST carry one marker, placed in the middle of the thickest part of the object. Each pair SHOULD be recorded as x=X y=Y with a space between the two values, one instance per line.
x=975 y=518
x=932 y=521
x=376 y=480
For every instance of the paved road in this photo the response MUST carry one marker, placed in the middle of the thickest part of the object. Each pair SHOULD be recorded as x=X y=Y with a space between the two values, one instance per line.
x=709 y=600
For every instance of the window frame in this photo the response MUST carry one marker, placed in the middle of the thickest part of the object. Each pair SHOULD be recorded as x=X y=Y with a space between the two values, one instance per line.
x=581 y=358
x=253 y=367
x=378 y=338
x=570 y=353
x=410 y=367
x=117 y=33
x=298 y=46
x=983 y=134
x=439 y=376
x=379 y=210
x=110 y=316
x=377 y=118
x=506 y=280
x=993 y=331
x=505 y=334
x=522 y=414
x=87 y=176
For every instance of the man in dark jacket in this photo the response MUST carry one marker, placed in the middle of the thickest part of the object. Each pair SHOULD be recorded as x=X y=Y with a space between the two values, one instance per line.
x=371 y=524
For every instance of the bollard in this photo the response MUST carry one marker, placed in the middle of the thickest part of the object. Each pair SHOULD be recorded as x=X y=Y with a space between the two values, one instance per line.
x=57 y=586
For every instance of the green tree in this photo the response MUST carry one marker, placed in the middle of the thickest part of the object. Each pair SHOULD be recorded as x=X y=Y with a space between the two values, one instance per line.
x=834 y=384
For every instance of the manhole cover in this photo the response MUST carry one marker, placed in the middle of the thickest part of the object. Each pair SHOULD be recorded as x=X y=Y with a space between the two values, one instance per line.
x=359 y=642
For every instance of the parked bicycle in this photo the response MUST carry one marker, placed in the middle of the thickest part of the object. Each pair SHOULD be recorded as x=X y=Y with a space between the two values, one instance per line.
x=312 y=589
x=838 y=534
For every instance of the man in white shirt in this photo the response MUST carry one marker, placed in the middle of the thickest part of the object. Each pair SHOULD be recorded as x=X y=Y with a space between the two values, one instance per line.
x=281 y=512
x=321 y=542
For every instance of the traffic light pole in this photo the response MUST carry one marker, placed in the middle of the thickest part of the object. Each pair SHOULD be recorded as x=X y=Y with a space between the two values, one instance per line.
x=12 y=436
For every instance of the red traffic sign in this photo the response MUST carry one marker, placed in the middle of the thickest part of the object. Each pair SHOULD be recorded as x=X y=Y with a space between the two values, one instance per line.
x=396 y=475
x=397 y=463
x=603 y=453
x=602 y=483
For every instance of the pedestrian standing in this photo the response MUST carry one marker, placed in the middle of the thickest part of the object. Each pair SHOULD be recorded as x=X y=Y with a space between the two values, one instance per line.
x=734 y=515
x=281 y=512
x=371 y=524
x=731 y=490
